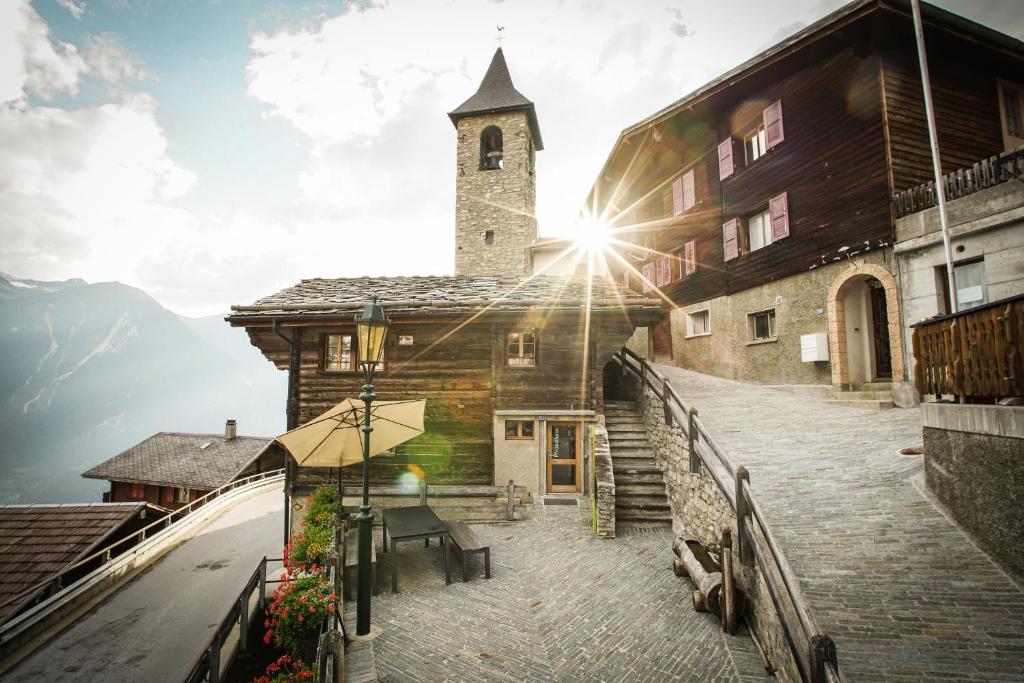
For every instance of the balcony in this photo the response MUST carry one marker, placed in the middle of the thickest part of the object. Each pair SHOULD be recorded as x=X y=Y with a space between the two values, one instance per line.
x=975 y=355
x=962 y=182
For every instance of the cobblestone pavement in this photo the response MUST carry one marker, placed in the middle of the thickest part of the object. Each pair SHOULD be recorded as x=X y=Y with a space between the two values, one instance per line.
x=901 y=589
x=562 y=605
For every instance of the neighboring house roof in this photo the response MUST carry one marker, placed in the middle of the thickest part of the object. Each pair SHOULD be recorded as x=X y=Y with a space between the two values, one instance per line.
x=496 y=94
x=39 y=541
x=417 y=296
x=201 y=461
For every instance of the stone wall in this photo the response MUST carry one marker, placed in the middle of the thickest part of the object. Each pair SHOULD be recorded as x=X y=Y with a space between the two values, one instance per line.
x=974 y=463
x=605 y=494
x=502 y=201
x=700 y=510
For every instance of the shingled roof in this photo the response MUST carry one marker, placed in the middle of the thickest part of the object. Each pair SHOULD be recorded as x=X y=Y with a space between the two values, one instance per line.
x=497 y=94
x=39 y=541
x=415 y=296
x=201 y=461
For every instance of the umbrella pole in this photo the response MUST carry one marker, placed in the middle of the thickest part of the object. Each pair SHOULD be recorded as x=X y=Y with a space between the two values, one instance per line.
x=365 y=518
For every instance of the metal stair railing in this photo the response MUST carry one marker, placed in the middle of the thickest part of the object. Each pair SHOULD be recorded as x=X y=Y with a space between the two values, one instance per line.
x=813 y=650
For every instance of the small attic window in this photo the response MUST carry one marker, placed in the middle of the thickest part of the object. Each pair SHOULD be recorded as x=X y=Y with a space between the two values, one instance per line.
x=204 y=445
x=489 y=237
x=491 y=149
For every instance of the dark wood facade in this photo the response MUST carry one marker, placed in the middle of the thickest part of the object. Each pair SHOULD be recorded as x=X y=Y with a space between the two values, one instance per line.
x=854 y=135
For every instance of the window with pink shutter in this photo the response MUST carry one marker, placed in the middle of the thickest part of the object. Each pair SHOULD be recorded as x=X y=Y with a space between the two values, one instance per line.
x=690 y=257
x=730 y=241
x=773 y=132
x=677 y=197
x=649 y=276
x=689 y=191
x=778 y=208
x=725 y=166
x=664 y=270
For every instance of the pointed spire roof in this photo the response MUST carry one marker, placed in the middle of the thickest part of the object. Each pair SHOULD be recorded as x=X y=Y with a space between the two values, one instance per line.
x=497 y=94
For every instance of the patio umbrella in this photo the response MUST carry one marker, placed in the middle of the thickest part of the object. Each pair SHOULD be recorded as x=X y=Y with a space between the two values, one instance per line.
x=335 y=439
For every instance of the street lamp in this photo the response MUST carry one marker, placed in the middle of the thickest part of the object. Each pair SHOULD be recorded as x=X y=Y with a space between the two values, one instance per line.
x=371 y=331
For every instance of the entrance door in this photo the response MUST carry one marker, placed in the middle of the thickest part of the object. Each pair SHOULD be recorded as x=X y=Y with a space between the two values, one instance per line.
x=880 y=324
x=563 y=457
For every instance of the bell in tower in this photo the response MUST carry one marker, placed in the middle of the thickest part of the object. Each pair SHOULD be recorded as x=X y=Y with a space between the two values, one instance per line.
x=490 y=149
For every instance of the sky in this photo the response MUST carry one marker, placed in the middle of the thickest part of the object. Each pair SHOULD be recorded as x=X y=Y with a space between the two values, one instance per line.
x=212 y=152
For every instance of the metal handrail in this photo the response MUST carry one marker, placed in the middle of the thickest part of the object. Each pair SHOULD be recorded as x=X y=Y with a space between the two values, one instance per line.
x=165 y=522
x=816 y=654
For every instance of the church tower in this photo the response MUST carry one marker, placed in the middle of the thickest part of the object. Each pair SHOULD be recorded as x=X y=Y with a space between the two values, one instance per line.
x=495 y=184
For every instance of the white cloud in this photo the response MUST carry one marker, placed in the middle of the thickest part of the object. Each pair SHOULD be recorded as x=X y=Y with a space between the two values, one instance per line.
x=76 y=8
x=30 y=62
x=108 y=61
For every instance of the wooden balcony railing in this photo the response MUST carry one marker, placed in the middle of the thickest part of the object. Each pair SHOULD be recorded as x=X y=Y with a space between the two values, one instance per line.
x=975 y=355
x=961 y=182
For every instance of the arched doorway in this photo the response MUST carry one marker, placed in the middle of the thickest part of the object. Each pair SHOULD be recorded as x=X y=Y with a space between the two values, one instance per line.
x=864 y=331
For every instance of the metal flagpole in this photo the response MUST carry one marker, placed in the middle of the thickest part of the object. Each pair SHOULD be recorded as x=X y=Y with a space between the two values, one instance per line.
x=936 y=163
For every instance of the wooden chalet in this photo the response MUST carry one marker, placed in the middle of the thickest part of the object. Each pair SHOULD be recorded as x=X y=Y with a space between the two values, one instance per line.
x=511 y=367
x=760 y=204
x=173 y=469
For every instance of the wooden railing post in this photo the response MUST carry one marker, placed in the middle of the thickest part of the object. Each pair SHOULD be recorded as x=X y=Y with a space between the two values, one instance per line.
x=642 y=398
x=728 y=585
x=423 y=490
x=822 y=652
x=213 y=657
x=243 y=622
x=664 y=401
x=691 y=439
x=510 y=488
x=742 y=540
x=263 y=583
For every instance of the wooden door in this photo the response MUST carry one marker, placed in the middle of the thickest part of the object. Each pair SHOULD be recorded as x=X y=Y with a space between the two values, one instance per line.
x=563 y=460
x=661 y=338
x=880 y=325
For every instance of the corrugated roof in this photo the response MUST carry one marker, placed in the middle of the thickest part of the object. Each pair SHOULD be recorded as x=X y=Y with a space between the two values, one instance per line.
x=411 y=296
x=497 y=94
x=38 y=541
x=174 y=459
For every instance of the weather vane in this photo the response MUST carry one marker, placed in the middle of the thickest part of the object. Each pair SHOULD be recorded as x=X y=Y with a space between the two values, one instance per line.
x=500 y=37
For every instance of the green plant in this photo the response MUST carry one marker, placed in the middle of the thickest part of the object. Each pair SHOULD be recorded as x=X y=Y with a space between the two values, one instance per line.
x=299 y=607
x=322 y=507
x=311 y=544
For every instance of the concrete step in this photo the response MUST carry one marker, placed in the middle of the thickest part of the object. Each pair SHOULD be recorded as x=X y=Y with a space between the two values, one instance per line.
x=627 y=451
x=626 y=522
x=613 y=426
x=866 y=404
x=637 y=474
x=626 y=432
x=625 y=515
x=632 y=462
x=620 y=404
x=862 y=396
x=872 y=386
x=619 y=445
x=642 y=502
x=642 y=488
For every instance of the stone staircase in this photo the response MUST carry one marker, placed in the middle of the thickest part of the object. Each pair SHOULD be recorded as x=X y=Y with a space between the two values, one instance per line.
x=871 y=396
x=640 y=498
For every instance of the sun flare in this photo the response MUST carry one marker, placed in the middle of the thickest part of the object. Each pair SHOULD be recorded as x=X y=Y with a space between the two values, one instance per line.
x=591 y=235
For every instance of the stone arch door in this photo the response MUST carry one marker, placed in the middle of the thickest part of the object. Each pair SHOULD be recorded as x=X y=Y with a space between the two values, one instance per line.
x=855 y=330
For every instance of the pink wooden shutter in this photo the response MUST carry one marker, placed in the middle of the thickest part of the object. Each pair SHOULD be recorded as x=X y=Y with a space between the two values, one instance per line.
x=690 y=259
x=649 y=277
x=778 y=209
x=689 y=192
x=729 y=239
x=664 y=271
x=725 y=158
x=773 y=133
x=677 y=197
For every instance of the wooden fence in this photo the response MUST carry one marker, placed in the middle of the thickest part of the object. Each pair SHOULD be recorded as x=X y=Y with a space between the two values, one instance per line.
x=974 y=355
x=962 y=182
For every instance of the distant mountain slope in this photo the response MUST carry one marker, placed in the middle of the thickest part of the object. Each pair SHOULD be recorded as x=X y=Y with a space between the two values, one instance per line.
x=90 y=369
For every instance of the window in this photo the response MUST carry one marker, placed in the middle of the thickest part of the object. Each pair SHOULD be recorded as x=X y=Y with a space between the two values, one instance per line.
x=522 y=349
x=969 y=279
x=753 y=144
x=684 y=196
x=183 y=495
x=759 y=230
x=1011 y=109
x=689 y=259
x=491 y=152
x=405 y=340
x=649 y=276
x=339 y=354
x=138 y=491
x=761 y=325
x=698 y=323
x=518 y=429
x=489 y=237
x=664 y=271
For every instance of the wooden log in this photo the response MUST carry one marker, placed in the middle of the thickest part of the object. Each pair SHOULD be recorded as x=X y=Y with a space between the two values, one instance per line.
x=703 y=571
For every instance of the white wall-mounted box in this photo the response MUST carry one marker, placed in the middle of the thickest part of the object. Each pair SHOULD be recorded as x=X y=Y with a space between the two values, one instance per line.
x=814 y=347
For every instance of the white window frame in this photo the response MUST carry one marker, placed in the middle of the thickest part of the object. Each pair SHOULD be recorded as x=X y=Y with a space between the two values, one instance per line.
x=773 y=331
x=754 y=146
x=520 y=359
x=691 y=327
x=758 y=225
x=961 y=270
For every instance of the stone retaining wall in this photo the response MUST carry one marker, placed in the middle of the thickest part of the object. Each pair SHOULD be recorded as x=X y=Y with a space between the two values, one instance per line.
x=700 y=511
x=605 y=489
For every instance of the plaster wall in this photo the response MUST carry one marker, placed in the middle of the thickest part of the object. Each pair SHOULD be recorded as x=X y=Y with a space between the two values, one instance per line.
x=524 y=461
x=800 y=304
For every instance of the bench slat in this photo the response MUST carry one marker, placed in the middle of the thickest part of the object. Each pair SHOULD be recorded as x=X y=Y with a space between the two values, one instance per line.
x=463 y=536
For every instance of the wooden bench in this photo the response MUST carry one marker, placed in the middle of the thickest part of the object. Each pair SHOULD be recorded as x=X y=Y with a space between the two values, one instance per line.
x=467 y=542
x=350 y=559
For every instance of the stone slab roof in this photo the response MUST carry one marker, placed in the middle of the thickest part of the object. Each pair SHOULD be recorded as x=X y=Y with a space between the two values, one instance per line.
x=497 y=94
x=39 y=541
x=416 y=296
x=201 y=461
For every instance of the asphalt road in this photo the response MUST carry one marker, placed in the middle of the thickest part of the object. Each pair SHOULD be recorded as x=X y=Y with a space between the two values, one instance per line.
x=155 y=627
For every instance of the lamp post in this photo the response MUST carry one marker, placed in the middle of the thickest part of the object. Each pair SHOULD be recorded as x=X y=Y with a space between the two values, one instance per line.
x=371 y=331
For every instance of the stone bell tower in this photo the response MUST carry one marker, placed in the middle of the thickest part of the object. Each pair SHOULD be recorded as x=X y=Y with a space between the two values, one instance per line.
x=495 y=184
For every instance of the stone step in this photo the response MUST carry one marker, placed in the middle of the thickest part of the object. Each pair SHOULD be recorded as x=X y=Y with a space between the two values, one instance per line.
x=872 y=386
x=642 y=515
x=620 y=404
x=613 y=426
x=866 y=404
x=633 y=474
x=618 y=445
x=626 y=432
x=659 y=523
x=642 y=502
x=635 y=461
x=621 y=410
x=862 y=396
x=640 y=488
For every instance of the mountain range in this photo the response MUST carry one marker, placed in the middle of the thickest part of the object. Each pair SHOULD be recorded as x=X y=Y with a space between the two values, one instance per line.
x=91 y=369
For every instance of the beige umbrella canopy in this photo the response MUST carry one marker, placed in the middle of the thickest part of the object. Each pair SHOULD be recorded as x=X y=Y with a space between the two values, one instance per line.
x=335 y=439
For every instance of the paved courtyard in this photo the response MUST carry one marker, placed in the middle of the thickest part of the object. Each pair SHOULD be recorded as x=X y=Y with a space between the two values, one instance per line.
x=905 y=594
x=562 y=605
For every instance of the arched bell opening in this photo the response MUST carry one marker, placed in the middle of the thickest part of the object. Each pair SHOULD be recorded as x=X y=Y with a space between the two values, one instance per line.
x=491 y=149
